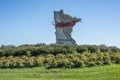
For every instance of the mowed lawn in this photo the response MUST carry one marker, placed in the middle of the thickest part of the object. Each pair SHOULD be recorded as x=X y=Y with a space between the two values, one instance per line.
x=108 y=72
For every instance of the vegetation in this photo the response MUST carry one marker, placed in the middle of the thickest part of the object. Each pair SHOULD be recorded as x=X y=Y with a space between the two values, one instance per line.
x=111 y=72
x=56 y=56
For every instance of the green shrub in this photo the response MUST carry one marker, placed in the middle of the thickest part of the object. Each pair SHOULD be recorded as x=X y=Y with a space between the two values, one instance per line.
x=57 y=56
x=40 y=61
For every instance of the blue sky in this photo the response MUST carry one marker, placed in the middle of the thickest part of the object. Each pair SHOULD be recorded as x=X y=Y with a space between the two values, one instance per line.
x=30 y=21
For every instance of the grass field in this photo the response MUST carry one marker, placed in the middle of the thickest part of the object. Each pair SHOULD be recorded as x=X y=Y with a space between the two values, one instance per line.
x=109 y=72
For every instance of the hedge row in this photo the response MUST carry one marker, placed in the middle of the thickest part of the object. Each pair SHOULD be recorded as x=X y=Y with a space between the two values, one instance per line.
x=60 y=60
x=38 y=49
